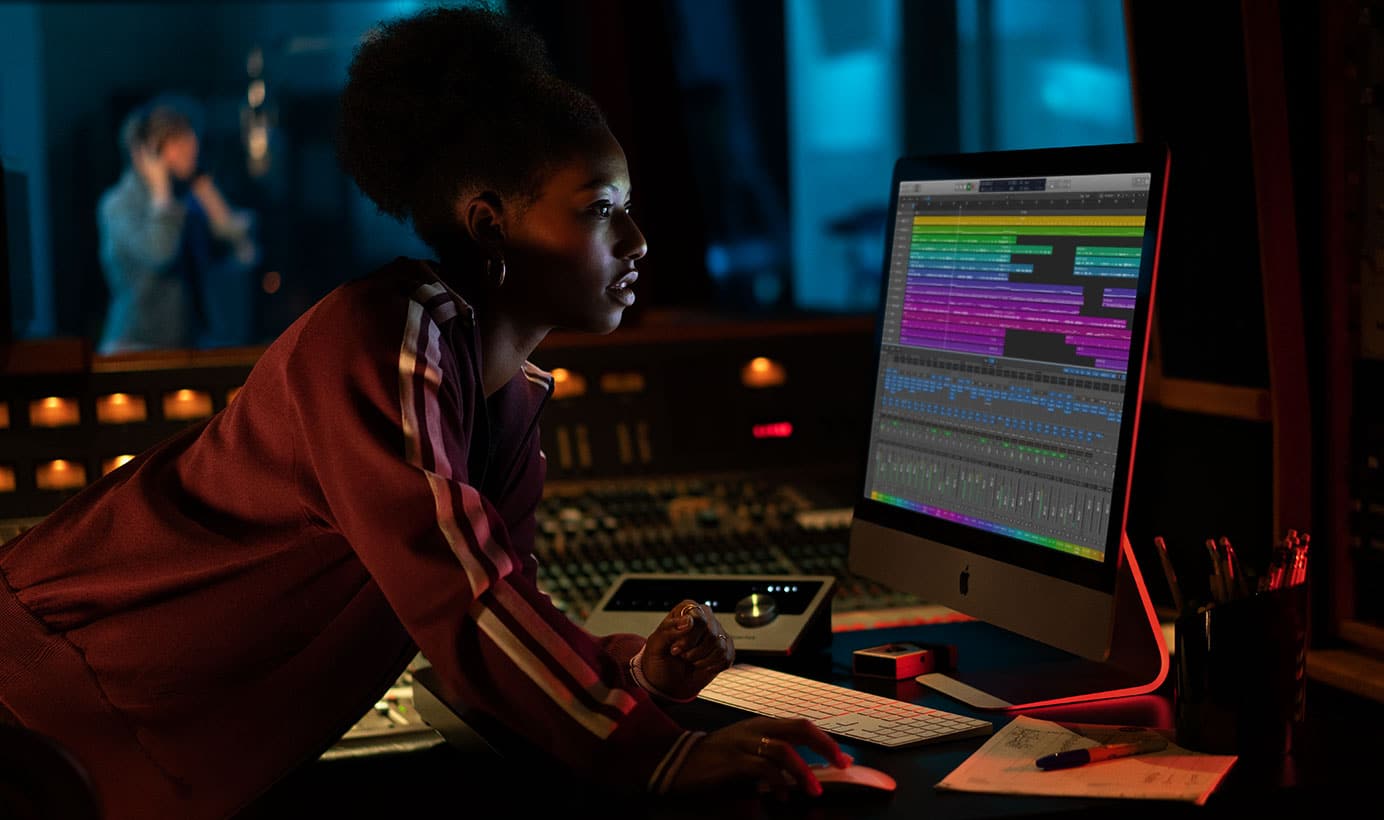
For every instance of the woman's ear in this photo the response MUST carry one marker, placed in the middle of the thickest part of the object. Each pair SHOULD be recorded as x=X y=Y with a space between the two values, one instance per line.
x=482 y=217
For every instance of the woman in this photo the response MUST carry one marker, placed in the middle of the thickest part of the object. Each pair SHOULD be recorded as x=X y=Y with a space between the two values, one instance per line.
x=371 y=491
x=175 y=261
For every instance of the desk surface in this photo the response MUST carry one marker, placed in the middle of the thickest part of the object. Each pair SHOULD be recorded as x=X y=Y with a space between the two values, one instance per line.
x=1335 y=758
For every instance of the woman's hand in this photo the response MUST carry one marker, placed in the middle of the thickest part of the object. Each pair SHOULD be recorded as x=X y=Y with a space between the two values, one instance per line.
x=153 y=170
x=759 y=751
x=686 y=651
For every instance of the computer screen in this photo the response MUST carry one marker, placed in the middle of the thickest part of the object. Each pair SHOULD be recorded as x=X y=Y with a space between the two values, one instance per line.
x=1010 y=346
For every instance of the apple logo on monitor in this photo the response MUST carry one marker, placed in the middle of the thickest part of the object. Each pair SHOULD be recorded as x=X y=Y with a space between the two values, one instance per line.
x=964 y=581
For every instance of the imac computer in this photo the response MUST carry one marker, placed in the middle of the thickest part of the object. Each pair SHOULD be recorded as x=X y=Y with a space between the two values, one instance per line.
x=1010 y=346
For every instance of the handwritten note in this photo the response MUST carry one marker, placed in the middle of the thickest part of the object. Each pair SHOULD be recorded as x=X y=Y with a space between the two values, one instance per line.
x=1004 y=765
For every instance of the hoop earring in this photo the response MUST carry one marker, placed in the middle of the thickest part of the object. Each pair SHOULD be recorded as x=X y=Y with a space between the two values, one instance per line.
x=497 y=278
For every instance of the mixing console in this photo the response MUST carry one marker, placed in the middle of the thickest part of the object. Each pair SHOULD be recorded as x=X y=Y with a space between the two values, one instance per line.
x=590 y=532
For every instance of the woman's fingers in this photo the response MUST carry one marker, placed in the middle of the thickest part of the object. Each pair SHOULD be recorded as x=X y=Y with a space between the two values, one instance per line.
x=803 y=732
x=694 y=622
x=672 y=630
x=717 y=652
x=696 y=637
x=786 y=767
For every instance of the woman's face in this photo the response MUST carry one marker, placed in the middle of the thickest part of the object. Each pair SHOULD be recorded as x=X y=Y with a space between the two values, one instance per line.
x=570 y=254
x=180 y=153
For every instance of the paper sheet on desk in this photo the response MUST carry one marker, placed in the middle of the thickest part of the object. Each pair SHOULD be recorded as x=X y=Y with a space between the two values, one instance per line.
x=1005 y=765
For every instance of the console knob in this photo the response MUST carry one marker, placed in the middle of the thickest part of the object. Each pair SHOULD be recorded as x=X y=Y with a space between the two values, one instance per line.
x=756 y=609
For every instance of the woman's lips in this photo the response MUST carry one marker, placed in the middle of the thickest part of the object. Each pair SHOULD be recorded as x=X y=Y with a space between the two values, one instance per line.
x=622 y=291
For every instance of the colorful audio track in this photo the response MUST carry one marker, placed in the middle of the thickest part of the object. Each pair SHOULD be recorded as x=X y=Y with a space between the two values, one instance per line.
x=972 y=281
x=983 y=398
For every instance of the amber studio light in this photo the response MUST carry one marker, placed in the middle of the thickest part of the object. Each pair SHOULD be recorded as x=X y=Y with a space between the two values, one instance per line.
x=182 y=405
x=762 y=371
x=54 y=411
x=567 y=384
x=59 y=474
x=114 y=463
x=120 y=408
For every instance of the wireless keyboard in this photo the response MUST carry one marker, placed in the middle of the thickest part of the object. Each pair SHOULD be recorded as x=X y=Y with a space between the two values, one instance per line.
x=847 y=713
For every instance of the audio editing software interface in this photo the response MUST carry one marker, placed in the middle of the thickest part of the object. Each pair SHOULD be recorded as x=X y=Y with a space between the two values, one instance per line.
x=1007 y=328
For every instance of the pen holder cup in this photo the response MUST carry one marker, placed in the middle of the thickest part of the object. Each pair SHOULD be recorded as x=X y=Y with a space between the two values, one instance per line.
x=1241 y=685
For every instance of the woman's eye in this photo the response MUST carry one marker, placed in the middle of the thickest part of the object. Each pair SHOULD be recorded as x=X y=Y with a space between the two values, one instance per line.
x=602 y=209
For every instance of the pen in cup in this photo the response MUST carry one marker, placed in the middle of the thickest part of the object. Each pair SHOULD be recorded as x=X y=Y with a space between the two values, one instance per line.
x=1080 y=757
x=1236 y=578
x=1217 y=578
x=1274 y=576
x=1229 y=577
x=1166 y=561
x=1288 y=565
x=1300 y=559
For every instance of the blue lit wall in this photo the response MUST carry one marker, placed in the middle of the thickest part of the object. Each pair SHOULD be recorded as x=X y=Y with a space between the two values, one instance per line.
x=23 y=150
x=1032 y=73
x=1043 y=73
x=845 y=131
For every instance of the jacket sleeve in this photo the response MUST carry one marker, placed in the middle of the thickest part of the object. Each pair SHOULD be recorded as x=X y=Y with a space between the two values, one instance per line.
x=521 y=521
x=383 y=448
x=140 y=235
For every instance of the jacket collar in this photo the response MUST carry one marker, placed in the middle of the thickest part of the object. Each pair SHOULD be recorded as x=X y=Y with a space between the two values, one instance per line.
x=539 y=380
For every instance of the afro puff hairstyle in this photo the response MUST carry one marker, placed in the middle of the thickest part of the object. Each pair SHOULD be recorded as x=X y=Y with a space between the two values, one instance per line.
x=454 y=101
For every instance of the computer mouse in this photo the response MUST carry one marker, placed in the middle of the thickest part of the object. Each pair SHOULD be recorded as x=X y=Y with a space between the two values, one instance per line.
x=853 y=778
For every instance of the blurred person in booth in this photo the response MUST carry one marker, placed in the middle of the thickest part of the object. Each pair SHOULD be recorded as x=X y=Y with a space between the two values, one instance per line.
x=175 y=255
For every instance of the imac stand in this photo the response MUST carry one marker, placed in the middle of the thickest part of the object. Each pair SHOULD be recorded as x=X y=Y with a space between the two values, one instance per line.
x=1034 y=674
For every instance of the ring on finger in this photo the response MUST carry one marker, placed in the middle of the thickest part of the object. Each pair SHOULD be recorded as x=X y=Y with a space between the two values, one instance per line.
x=689 y=610
x=763 y=747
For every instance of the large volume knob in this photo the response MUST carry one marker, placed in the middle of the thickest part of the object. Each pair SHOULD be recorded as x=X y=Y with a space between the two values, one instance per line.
x=756 y=609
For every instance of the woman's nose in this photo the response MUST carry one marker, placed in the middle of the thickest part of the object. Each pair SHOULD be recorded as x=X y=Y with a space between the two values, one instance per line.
x=635 y=246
